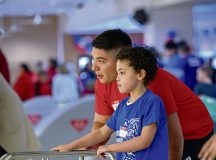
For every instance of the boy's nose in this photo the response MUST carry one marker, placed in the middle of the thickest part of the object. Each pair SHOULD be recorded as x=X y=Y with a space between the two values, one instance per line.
x=117 y=78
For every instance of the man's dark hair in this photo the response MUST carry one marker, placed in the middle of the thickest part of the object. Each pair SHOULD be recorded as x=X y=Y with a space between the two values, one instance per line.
x=112 y=39
x=140 y=58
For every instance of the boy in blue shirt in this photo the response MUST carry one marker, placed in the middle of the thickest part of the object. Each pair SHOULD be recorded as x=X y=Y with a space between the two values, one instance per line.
x=140 y=119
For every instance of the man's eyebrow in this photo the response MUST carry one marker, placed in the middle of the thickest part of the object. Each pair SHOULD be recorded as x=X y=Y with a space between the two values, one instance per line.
x=100 y=58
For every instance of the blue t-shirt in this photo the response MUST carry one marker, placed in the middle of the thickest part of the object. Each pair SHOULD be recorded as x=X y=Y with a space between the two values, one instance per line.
x=190 y=63
x=128 y=121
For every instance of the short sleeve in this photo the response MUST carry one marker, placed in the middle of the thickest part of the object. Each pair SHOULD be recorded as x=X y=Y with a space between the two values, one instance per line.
x=154 y=112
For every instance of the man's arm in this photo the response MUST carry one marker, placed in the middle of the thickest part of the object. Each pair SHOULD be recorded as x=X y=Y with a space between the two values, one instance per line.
x=176 y=140
x=99 y=121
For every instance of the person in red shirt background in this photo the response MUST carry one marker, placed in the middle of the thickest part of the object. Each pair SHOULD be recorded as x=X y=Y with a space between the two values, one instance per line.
x=4 y=67
x=24 y=85
x=52 y=68
x=189 y=122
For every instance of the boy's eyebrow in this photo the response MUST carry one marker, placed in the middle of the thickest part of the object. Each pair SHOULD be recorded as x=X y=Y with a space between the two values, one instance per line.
x=120 y=69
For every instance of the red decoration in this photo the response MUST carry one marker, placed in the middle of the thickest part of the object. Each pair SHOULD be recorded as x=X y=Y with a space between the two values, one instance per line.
x=34 y=118
x=79 y=124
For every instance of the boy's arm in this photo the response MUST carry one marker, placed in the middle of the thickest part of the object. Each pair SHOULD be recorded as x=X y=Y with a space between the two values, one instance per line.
x=135 y=144
x=90 y=139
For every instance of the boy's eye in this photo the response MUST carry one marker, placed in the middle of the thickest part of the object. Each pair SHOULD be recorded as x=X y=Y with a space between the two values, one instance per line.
x=122 y=73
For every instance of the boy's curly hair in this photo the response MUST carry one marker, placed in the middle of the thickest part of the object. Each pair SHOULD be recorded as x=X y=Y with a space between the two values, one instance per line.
x=140 y=58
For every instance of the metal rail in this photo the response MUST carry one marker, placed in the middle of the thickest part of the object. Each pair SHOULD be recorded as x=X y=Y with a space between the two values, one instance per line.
x=52 y=154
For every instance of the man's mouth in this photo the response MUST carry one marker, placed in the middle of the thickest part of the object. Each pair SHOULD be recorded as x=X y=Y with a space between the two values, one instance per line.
x=99 y=76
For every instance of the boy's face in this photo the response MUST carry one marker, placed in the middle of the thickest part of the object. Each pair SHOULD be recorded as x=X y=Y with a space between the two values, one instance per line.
x=127 y=78
x=104 y=65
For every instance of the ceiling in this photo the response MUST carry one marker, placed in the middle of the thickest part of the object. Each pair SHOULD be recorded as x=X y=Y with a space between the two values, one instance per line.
x=47 y=7
x=82 y=14
x=32 y=7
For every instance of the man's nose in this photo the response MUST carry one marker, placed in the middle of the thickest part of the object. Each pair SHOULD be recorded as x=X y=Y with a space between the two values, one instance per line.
x=94 y=67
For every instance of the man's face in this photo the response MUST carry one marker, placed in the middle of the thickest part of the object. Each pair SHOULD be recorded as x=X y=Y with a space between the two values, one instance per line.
x=104 y=65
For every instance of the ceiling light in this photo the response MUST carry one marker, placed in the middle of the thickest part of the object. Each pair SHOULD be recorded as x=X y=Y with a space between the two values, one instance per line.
x=37 y=19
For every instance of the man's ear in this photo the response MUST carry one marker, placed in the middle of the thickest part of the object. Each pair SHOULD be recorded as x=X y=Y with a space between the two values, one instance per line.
x=141 y=74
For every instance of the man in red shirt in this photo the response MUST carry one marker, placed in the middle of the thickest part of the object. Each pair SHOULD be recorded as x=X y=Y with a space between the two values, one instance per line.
x=189 y=122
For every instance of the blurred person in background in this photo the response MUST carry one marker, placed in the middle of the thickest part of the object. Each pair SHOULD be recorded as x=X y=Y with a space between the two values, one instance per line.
x=87 y=78
x=189 y=62
x=24 y=85
x=64 y=87
x=171 y=61
x=43 y=85
x=205 y=85
x=73 y=74
x=4 y=70
x=52 y=68
x=16 y=133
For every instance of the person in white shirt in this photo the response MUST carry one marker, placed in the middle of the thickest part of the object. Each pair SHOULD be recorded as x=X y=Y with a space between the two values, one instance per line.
x=64 y=87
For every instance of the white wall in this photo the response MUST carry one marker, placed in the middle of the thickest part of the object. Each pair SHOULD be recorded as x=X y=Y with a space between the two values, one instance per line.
x=178 y=17
x=33 y=44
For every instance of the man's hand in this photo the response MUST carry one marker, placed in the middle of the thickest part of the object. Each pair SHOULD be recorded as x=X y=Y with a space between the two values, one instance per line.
x=61 y=148
x=208 y=151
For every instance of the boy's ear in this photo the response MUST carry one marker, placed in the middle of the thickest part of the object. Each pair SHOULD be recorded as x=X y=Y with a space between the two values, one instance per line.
x=141 y=74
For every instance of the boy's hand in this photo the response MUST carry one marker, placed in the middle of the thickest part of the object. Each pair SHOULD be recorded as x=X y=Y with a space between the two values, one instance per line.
x=61 y=148
x=101 y=150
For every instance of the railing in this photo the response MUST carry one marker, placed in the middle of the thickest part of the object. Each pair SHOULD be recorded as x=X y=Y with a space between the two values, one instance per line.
x=45 y=155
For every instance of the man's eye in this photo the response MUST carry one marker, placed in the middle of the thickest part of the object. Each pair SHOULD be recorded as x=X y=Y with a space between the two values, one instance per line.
x=101 y=61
